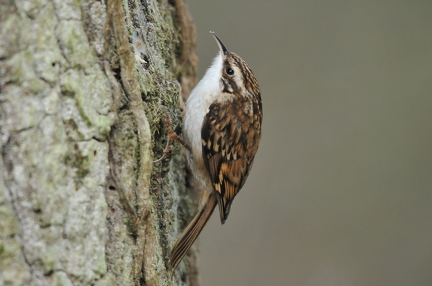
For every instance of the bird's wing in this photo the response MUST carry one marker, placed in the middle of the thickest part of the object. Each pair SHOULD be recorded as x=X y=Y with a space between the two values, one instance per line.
x=230 y=139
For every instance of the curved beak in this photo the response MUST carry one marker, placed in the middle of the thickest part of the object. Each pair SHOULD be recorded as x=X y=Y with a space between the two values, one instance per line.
x=220 y=44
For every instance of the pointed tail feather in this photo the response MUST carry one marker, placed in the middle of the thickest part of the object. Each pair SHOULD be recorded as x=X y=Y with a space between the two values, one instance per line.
x=190 y=234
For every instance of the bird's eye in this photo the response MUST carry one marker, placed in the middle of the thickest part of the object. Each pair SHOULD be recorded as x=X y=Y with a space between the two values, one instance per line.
x=229 y=71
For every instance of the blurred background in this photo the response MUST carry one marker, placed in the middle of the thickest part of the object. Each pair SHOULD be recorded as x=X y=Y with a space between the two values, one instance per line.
x=341 y=189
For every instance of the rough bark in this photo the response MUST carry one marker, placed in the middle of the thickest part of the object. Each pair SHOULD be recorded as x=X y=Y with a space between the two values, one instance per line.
x=83 y=86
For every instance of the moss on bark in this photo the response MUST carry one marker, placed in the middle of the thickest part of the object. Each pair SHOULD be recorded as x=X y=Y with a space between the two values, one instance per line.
x=82 y=84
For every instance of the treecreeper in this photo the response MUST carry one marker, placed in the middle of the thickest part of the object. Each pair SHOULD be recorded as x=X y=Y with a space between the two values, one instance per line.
x=222 y=128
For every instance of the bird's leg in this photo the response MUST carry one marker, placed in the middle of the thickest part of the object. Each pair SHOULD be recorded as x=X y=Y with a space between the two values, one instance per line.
x=171 y=135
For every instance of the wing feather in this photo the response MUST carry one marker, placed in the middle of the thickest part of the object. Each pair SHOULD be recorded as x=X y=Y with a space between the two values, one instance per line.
x=230 y=140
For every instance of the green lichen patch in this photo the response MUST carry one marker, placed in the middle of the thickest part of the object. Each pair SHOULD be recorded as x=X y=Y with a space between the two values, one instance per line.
x=13 y=270
x=47 y=54
x=90 y=104
x=60 y=278
x=8 y=222
x=74 y=44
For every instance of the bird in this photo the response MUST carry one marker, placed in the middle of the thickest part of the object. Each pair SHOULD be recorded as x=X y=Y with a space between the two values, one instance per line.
x=222 y=126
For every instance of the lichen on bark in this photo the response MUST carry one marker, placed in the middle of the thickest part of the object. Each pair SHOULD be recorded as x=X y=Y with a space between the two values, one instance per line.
x=82 y=84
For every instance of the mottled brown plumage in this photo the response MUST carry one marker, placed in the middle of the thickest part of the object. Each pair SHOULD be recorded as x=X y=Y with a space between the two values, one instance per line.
x=223 y=127
x=230 y=139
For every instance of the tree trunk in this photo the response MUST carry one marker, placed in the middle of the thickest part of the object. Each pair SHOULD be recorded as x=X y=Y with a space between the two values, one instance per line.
x=84 y=86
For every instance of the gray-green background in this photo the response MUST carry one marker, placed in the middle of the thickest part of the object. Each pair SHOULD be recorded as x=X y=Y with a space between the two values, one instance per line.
x=341 y=189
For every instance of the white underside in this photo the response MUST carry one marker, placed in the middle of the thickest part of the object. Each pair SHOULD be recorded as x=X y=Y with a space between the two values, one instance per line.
x=205 y=93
